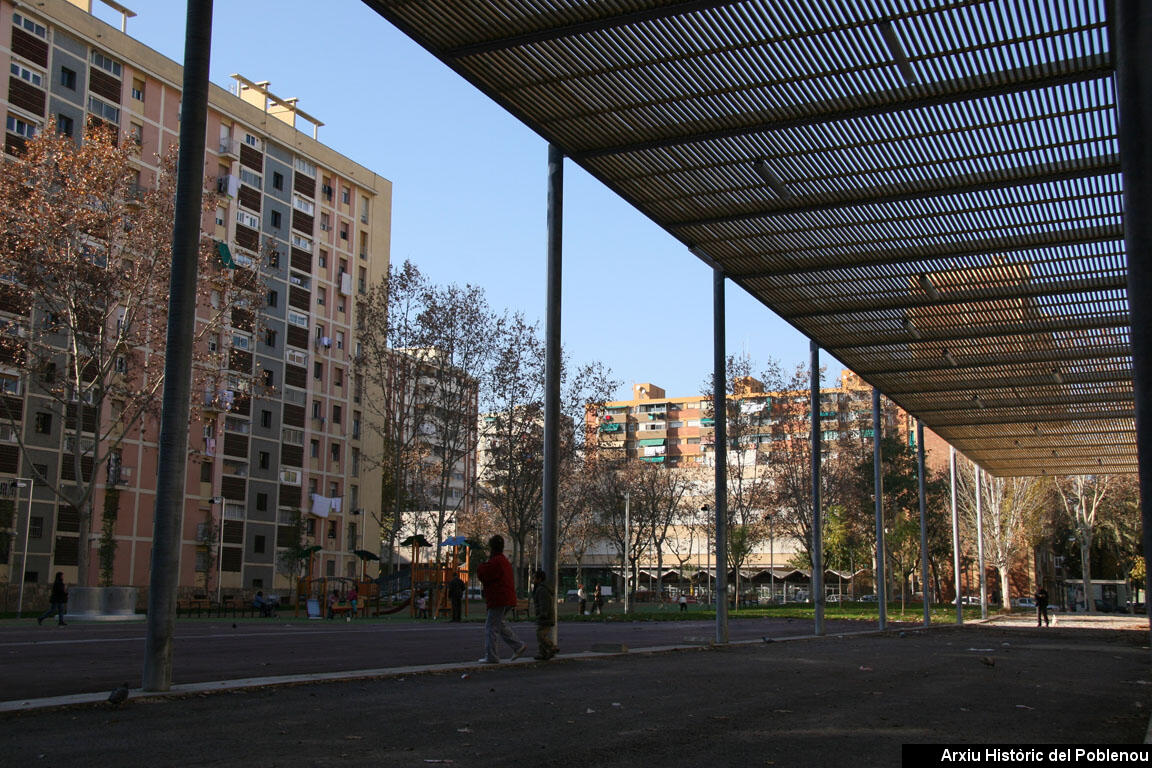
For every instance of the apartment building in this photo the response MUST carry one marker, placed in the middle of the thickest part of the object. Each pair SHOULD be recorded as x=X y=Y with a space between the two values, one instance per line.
x=680 y=431
x=321 y=222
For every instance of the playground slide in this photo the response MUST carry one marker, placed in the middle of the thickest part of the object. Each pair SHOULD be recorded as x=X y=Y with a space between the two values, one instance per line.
x=397 y=608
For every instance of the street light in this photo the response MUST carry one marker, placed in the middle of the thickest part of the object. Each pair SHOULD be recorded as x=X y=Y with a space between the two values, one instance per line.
x=708 y=560
x=30 y=485
x=627 y=544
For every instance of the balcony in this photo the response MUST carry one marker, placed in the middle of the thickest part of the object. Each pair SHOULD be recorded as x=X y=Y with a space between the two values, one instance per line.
x=229 y=148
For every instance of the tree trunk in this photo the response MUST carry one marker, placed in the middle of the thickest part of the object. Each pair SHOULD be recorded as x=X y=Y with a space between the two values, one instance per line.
x=1086 y=575
x=83 y=552
x=1005 y=600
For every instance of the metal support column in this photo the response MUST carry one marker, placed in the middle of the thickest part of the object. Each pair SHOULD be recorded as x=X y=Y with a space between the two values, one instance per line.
x=817 y=517
x=551 y=481
x=955 y=540
x=1133 y=40
x=720 y=413
x=878 y=486
x=980 y=546
x=173 y=440
x=921 y=481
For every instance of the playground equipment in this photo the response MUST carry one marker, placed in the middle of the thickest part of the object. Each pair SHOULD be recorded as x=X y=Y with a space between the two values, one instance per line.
x=432 y=577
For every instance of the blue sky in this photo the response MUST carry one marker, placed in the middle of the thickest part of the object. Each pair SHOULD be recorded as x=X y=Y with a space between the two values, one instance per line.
x=469 y=186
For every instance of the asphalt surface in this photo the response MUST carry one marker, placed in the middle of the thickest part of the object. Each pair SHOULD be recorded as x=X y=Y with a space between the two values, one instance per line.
x=849 y=700
x=41 y=661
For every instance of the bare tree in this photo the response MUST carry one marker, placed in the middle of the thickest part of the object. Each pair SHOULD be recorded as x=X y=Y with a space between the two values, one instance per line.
x=1006 y=504
x=86 y=264
x=460 y=332
x=1082 y=497
x=388 y=329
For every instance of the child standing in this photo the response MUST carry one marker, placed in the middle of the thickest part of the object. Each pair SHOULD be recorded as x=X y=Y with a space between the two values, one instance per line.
x=545 y=608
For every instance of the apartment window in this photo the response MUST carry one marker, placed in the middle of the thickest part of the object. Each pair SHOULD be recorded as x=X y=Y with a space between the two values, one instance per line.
x=301 y=242
x=21 y=127
x=65 y=126
x=258 y=541
x=339 y=339
x=338 y=377
x=321 y=296
x=221 y=216
x=314 y=448
x=270 y=337
x=43 y=424
x=275 y=219
x=136 y=133
x=317 y=409
x=337 y=414
x=27 y=75
x=269 y=378
x=247 y=219
x=302 y=204
x=340 y=304
x=325 y=222
x=137 y=89
x=251 y=140
x=250 y=178
x=335 y=451
x=274 y=259
x=323 y=258
x=297 y=319
x=345 y=195
x=277 y=180
x=343 y=230
x=36 y=527
x=265 y=459
x=305 y=167
x=105 y=63
x=273 y=298
x=362 y=280
x=266 y=419
x=29 y=26
x=206 y=472
x=333 y=490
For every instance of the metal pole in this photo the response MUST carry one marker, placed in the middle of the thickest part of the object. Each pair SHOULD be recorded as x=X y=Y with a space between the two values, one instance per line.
x=220 y=556
x=923 y=521
x=627 y=543
x=720 y=411
x=955 y=539
x=878 y=489
x=817 y=517
x=173 y=442
x=24 y=551
x=1133 y=85
x=551 y=483
x=980 y=547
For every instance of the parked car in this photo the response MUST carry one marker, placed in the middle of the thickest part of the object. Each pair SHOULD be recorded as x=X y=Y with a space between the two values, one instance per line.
x=1023 y=602
x=866 y=599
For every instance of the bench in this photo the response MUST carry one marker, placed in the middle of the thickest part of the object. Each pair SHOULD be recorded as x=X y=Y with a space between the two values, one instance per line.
x=523 y=606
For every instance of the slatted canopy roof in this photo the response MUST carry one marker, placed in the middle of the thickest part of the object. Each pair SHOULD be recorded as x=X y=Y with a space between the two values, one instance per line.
x=929 y=189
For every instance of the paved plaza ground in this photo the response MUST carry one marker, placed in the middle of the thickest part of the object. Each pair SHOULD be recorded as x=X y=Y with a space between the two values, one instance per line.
x=412 y=696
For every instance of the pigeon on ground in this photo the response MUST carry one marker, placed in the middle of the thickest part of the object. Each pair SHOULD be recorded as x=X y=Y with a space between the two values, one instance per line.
x=118 y=696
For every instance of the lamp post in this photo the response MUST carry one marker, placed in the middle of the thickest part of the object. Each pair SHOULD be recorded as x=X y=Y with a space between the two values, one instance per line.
x=627 y=543
x=30 y=485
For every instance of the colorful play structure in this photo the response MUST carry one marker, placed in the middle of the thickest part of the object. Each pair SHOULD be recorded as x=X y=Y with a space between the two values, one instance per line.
x=423 y=576
x=431 y=578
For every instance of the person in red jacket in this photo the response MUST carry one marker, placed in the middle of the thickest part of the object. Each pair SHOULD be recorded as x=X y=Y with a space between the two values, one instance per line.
x=499 y=596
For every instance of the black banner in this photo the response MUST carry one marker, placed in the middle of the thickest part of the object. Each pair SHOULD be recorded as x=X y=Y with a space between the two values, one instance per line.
x=917 y=755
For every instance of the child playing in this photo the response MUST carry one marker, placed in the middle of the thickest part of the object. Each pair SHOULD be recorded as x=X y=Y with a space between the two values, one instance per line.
x=545 y=608
x=421 y=606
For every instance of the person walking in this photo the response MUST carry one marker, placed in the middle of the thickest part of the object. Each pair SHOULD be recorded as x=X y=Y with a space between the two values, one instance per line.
x=683 y=603
x=583 y=597
x=57 y=601
x=499 y=596
x=353 y=596
x=1041 y=597
x=456 y=588
x=545 y=607
x=597 y=600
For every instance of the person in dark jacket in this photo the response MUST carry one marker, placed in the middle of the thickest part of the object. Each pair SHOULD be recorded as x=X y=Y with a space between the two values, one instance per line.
x=499 y=596
x=545 y=606
x=456 y=589
x=1041 y=597
x=57 y=601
